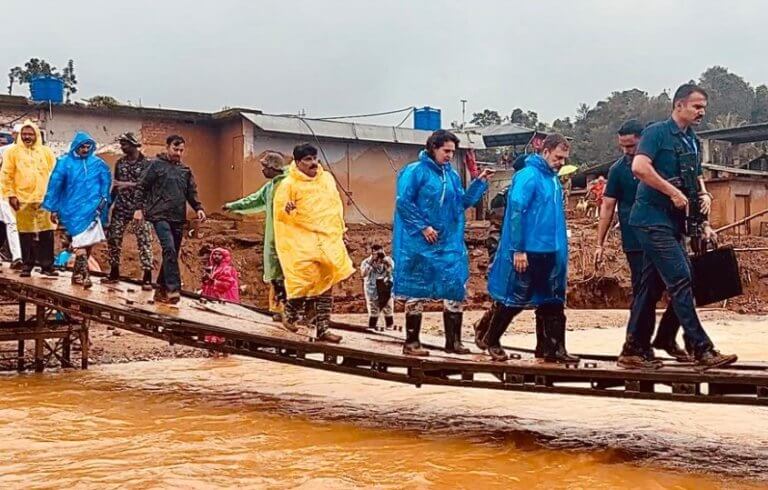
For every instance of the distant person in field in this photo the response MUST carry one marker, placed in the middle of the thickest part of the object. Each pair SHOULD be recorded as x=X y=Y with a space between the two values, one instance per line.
x=377 y=270
x=221 y=279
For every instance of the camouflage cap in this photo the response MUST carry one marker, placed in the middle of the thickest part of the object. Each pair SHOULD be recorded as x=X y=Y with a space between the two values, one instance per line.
x=129 y=138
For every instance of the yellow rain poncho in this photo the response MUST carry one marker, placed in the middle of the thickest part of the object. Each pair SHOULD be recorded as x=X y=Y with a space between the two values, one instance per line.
x=25 y=176
x=310 y=239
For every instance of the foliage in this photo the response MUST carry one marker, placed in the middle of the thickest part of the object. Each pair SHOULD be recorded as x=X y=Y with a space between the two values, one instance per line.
x=35 y=67
x=102 y=101
x=732 y=102
x=486 y=118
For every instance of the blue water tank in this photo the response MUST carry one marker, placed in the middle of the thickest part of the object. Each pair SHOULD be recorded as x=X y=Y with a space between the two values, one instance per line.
x=427 y=118
x=47 y=88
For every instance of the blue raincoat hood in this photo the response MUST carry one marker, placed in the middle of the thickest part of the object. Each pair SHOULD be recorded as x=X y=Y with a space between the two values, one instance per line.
x=80 y=138
x=79 y=188
x=433 y=195
x=534 y=222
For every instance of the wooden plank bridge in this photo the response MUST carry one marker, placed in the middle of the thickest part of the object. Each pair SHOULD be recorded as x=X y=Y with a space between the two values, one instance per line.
x=63 y=313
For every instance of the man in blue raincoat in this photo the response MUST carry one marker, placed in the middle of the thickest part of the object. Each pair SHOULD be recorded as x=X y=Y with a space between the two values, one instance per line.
x=78 y=198
x=431 y=260
x=530 y=266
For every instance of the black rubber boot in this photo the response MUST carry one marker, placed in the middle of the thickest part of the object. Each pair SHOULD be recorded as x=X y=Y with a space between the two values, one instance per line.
x=373 y=321
x=481 y=328
x=389 y=322
x=412 y=346
x=146 y=280
x=87 y=283
x=497 y=353
x=540 y=338
x=500 y=320
x=547 y=338
x=113 y=277
x=452 y=321
x=558 y=326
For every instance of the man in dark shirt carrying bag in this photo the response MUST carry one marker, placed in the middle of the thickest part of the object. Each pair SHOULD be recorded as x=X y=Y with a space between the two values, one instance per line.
x=658 y=218
x=620 y=191
x=163 y=192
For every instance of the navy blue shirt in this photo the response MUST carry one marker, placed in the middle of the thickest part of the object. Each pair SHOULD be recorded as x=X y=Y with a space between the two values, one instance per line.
x=663 y=142
x=622 y=186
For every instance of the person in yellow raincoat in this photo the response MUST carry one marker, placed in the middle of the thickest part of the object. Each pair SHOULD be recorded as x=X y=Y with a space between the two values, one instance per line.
x=309 y=234
x=27 y=165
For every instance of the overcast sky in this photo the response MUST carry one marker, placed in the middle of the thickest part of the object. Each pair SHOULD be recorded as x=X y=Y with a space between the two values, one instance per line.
x=338 y=57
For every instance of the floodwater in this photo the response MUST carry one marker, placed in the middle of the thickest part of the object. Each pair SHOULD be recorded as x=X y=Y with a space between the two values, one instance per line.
x=234 y=422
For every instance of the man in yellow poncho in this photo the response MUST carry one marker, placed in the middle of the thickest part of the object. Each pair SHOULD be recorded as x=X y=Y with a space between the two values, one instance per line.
x=27 y=165
x=309 y=234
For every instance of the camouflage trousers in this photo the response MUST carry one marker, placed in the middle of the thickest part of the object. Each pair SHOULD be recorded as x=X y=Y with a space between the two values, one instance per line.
x=316 y=309
x=374 y=309
x=277 y=296
x=117 y=228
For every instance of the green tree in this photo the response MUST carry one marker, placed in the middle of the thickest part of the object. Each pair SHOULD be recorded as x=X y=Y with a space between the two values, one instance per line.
x=36 y=67
x=102 y=101
x=728 y=93
x=528 y=119
x=486 y=118
x=760 y=109
x=70 y=81
x=729 y=120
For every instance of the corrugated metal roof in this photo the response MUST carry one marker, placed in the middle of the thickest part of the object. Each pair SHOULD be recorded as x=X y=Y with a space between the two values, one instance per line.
x=350 y=131
x=741 y=134
x=508 y=134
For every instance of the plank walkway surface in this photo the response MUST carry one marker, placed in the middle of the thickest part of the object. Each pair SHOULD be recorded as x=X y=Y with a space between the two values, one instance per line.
x=251 y=332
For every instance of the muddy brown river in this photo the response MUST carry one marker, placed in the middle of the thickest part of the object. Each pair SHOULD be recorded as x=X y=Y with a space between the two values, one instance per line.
x=242 y=423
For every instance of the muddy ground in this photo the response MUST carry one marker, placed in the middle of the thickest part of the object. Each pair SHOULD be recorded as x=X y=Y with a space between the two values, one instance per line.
x=608 y=288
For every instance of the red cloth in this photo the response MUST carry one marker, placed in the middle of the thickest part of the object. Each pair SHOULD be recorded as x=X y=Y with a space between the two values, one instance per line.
x=597 y=190
x=223 y=282
x=470 y=162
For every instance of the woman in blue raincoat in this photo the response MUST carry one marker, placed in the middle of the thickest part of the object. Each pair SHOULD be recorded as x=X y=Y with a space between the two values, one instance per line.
x=530 y=267
x=431 y=260
x=78 y=197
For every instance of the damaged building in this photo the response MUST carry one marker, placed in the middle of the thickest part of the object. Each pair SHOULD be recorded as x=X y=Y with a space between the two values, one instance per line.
x=224 y=148
x=735 y=162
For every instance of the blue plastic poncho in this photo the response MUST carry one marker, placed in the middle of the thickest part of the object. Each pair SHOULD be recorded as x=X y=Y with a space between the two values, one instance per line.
x=534 y=222
x=429 y=194
x=78 y=189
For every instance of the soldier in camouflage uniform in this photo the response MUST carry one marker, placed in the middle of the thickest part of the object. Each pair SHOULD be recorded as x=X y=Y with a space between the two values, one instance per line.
x=128 y=169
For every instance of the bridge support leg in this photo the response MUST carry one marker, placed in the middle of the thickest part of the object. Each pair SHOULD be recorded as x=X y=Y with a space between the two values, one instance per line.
x=22 y=348
x=66 y=351
x=39 y=341
x=85 y=344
